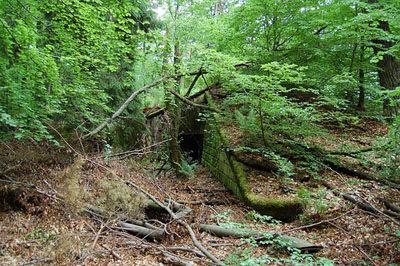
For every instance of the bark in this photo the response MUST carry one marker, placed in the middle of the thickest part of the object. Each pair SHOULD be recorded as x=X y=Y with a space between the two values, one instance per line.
x=390 y=206
x=186 y=225
x=187 y=101
x=363 y=206
x=389 y=70
x=361 y=79
x=259 y=162
x=293 y=242
x=155 y=234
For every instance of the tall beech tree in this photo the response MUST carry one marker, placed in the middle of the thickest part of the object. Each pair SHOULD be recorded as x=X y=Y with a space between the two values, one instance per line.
x=384 y=48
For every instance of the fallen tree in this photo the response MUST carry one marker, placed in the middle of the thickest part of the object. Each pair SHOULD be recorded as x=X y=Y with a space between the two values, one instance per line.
x=292 y=242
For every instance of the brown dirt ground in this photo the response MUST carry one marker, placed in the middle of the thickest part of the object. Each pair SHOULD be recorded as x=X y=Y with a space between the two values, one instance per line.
x=38 y=229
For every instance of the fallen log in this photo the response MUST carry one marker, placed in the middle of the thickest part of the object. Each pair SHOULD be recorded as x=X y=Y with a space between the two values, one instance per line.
x=361 y=205
x=155 y=234
x=185 y=224
x=259 y=162
x=294 y=242
x=389 y=205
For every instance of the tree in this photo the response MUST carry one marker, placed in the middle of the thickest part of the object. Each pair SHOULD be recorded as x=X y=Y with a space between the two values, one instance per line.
x=384 y=48
x=59 y=60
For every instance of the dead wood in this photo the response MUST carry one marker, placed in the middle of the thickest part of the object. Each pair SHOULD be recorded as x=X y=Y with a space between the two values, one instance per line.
x=186 y=225
x=259 y=162
x=206 y=202
x=12 y=168
x=389 y=205
x=199 y=254
x=192 y=97
x=293 y=242
x=193 y=82
x=112 y=252
x=175 y=260
x=125 y=105
x=189 y=102
x=351 y=153
x=364 y=206
x=155 y=234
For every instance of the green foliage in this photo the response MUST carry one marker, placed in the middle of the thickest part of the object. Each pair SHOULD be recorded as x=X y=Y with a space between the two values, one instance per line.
x=245 y=256
x=316 y=204
x=264 y=111
x=264 y=219
x=65 y=62
x=41 y=234
x=188 y=167
x=389 y=154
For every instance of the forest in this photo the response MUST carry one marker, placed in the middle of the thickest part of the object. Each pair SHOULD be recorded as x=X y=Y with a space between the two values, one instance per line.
x=200 y=132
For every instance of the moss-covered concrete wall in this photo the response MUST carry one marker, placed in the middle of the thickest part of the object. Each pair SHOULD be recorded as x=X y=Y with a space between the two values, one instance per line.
x=230 y=173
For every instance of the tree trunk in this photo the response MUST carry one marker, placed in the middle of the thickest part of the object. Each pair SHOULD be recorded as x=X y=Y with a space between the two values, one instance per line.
x=389 y=70
x=361 y=88
x=389 y=78
x=173 y=112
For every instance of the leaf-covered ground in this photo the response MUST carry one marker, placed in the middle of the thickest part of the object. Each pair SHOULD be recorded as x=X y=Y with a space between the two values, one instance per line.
x=38 y=226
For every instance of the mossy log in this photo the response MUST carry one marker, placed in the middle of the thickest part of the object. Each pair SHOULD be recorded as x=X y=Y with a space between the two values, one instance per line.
x=293 y=242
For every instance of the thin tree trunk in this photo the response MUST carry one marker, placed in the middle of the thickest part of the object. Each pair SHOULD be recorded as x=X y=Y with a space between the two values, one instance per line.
x=173 y=115
x=361 y=88
x=175 y=111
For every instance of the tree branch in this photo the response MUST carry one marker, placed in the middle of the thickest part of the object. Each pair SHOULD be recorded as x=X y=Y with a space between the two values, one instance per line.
x=125 y=104
x=187 y=101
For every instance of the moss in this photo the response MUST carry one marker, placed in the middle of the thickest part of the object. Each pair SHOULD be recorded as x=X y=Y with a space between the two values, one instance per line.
x=230 y=172
x=283 y=209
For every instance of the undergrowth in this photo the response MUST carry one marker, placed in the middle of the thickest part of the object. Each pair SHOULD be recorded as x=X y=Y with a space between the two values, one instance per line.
x=279 y=250
x=110 y=194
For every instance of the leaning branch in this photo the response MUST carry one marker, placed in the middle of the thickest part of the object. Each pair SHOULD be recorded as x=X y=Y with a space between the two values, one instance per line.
x=189 y=102
x=125 y=104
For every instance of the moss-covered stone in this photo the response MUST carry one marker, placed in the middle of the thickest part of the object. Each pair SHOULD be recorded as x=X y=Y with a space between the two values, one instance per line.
x=230 y=173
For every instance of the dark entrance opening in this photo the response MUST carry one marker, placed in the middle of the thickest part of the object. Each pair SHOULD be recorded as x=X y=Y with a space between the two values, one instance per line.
x=192 y=146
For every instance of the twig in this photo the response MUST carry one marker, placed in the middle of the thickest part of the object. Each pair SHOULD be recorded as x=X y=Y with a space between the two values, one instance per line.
x=221 y=245
x=29 y=186
x=36 y=261
x=80 y=141
x=97 y=236
x=189 y=102
x=112 y=252
x=177 y=260
x=61 y=136
x=10 y=169
x=316 y=224
x=5 y=144
x=382 y=213
x=357 y=247
x=365 y=254
x=186 y=249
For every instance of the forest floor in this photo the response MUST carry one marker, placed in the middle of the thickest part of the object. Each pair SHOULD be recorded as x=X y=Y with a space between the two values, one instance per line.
x=39 y=226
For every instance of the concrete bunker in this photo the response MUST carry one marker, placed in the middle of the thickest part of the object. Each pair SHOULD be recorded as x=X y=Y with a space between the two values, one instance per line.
x=191 y=136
